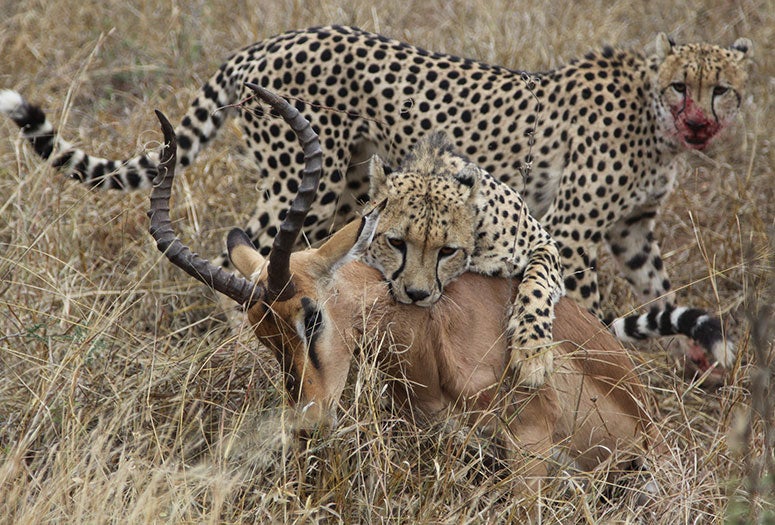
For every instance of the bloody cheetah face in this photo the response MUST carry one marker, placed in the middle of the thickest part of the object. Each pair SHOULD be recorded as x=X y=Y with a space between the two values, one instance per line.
x=700 y=87
x=425 y=235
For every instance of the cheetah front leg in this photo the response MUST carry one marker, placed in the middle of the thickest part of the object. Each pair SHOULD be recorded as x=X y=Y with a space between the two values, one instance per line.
x=632 y=243
x=532 y=314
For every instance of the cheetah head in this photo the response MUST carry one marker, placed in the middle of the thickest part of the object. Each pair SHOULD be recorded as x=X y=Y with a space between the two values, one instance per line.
x=700 y=88
x=426 y=234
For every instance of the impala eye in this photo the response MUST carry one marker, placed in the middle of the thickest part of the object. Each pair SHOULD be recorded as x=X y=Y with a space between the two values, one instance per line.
x=719 y=90
x=678 y=87
x=312 y=323
x=313 y=319
x=447 y=251
x=395 y=242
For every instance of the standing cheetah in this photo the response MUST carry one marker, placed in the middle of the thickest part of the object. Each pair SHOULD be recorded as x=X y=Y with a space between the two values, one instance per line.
x=591 y=146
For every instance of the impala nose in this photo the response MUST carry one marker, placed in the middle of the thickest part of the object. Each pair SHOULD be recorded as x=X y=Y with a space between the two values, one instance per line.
x=416 y=295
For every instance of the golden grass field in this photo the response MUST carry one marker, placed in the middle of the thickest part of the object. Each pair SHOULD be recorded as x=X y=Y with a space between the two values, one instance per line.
x=125 y=397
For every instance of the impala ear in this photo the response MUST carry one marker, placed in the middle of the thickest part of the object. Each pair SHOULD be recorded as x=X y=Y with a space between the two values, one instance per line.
x=244 y=255
x=336 y=250
x=350 y=242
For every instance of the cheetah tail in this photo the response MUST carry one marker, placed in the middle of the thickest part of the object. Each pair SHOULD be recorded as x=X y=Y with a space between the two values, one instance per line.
x=673 y=320
x=199 y=125
x=134 y=173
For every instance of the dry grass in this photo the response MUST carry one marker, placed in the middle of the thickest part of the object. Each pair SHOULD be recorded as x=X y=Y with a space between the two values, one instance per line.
x=121 y=400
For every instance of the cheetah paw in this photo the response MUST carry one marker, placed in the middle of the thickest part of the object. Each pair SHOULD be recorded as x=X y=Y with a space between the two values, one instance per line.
x=532 y=371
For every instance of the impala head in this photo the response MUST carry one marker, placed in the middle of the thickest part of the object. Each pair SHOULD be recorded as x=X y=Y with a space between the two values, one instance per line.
x=285 y=295
x=700 y=88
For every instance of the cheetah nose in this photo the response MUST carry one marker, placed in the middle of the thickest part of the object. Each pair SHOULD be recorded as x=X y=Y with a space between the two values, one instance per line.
x=696 y=125
x=416 y=295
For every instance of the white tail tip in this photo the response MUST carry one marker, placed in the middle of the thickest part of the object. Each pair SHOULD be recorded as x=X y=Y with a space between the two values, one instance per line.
x=11 y=102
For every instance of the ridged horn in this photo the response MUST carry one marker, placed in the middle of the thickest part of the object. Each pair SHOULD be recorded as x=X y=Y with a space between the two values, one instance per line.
x=238 y=288
x=279 y=284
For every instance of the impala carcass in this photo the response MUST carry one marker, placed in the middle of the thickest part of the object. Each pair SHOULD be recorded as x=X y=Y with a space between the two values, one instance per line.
x=314 y=307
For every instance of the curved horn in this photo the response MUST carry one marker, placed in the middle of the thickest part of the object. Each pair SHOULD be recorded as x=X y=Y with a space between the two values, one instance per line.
x=240 y=289
x=279 y=285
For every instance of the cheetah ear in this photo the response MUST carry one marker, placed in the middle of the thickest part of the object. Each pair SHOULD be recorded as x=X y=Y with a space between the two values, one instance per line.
x=664 y=45
x=745 y=46
x=378 y=173
x=469 y=176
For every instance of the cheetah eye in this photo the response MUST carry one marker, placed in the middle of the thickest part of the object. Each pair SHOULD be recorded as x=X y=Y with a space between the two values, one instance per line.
x=719 y=90
x=447 y=251
x=395 y=242
x=678 y=87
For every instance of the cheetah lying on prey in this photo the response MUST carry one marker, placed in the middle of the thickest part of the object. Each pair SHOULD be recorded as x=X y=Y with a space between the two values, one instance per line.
x=442 y=216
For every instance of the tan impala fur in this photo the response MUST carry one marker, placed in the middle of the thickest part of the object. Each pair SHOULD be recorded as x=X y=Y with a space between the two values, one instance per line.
x=451 y=357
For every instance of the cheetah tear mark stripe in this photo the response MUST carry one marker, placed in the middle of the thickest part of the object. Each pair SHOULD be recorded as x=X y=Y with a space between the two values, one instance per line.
x=674 y=320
